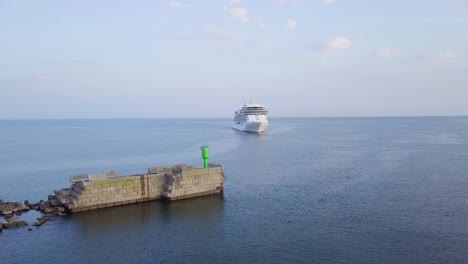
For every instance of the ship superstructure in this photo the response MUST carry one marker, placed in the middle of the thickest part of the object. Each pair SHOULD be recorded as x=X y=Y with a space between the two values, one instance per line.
x=251 y=118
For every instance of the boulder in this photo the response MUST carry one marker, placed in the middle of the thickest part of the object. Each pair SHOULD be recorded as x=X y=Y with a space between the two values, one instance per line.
x=9 y=225
x=59 y=209
x=46 y=207
x=48 y=210
x=42 y=220
x=63 y=199
x=80 y=184
x=21 y=223
x=76 y=189
x=20 y=207
x=54 y=202
x=9 y=209
x=12 y=219
x=63 y=192
x=15 y=223
x=30 y=229
x=2 y=207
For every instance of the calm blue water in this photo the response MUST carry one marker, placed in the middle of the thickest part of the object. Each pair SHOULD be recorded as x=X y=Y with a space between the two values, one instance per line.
x=318 y=190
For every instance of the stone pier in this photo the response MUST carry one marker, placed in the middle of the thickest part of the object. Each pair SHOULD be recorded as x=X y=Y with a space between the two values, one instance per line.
x=91 y=192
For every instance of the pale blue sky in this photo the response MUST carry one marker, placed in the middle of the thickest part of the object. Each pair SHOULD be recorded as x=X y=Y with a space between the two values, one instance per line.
x=99 y=59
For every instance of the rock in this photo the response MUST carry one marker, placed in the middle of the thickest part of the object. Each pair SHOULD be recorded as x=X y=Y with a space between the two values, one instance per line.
x=54 y=202
x=42 y=220
x=1 y=201
x=14 y=224
x=20 y=207
x=9 y=208
x=63 y=192
x=80 y=184
x=76 y=189
x=9 y=225
x=52 y=197
x=2 y=207
x=59 y=209
x=1 y=227
x=46 y=207
x=30 y=229
x=33 y=206
x=62 y=199
x=45 y=218
x=12 y=219
x=48 y=210
x=7 y=212
x=21 y=223
x=75 y=194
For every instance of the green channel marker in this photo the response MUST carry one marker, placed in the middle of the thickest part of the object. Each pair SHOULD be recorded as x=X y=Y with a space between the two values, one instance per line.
x=205 y=155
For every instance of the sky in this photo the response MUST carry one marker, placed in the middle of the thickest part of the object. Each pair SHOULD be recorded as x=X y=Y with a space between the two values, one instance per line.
x=196 y=59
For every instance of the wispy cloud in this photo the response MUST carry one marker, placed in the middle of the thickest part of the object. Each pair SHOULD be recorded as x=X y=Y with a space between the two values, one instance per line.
x=234 y=2
x=292 y=24
x=385 y=53
x=442 y=56
x=238 y=12
x=328 y=2
x=176 y=4
x=336 y=44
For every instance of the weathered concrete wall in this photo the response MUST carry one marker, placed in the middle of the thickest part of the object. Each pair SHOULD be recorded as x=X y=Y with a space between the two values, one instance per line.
x=90 y=192
x=193 y=183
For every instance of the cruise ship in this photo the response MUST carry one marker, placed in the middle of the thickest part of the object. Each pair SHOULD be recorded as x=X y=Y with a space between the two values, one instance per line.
x=251 y=118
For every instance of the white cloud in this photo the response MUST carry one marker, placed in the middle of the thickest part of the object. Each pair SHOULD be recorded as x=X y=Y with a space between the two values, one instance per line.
x=262 y=23
x=292 y=23
x=385 y=53
x=338 y=44
x=234 y=2
x=328 y=2
x=238 y=12
x=176 y=4
x=442 y=56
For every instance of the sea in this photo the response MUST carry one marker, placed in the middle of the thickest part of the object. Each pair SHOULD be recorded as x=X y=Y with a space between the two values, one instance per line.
x=309 y=190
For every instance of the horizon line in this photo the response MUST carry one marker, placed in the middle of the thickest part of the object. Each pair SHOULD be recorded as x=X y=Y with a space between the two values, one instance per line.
x=121 y=118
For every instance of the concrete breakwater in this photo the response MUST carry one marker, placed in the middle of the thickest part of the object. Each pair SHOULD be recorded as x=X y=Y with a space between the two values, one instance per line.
x=90 y=192
x=95 y=191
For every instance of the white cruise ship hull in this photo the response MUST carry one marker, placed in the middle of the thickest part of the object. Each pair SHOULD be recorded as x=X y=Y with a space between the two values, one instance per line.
x=252 y=126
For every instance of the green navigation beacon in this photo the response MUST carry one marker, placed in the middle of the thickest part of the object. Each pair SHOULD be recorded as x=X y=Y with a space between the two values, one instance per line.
x=205 y=154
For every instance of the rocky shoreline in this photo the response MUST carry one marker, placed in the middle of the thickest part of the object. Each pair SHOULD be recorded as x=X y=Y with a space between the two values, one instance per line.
x=56 y=205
